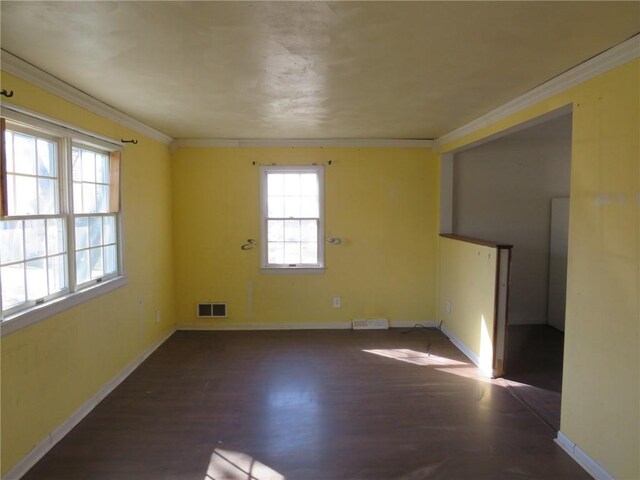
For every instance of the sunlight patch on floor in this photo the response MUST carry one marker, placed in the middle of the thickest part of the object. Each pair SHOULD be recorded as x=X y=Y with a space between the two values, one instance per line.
x=230 y=465
x=416 y=358
x=472 y=372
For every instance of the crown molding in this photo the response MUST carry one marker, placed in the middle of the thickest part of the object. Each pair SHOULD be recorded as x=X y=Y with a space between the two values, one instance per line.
x=302 y=142
x=21 y=69
x=604 y=62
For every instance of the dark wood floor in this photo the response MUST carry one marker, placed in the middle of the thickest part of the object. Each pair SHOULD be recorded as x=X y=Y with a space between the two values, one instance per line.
x=322 y=405
x=534 y=369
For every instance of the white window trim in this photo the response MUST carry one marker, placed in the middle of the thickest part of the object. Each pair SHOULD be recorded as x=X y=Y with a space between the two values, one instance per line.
x=37 y=313
x=287 y=269
x=58 y=303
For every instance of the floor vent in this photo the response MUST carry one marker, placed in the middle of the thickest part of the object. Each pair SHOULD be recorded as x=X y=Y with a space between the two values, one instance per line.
x=370 y=324
x=212 y=310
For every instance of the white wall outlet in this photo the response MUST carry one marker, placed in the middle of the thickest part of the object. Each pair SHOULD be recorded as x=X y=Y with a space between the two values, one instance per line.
x=337 y=302
x=157 y=316
x=448 y=307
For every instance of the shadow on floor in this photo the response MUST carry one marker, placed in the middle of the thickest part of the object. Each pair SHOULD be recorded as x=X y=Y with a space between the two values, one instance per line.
x=534 y=369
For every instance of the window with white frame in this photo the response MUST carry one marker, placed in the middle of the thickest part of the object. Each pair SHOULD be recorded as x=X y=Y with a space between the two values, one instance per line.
x=60 y=220
x=94 y=225
x=292 y=217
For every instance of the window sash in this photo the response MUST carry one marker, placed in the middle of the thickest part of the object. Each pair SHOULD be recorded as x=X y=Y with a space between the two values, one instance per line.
x=47 y=256
x=91 y=246
x=12 y=177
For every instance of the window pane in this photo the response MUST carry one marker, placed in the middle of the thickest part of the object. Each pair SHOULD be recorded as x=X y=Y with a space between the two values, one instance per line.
x=46 y=158
x=82 y=232
x=36 y=279
x=275 y=184
x=82 y=266
x=34 y=235
x=8 y=143
x=275 y=230
x=26 y=195
x=276 y=252
x=292 y=252
x=292 y=230
x=309 y=207
x=109 y=229
x=57 y=273
x=55 y=236
x=291 y=207
x=110 y=259
x=13 y=289
x=275 y=207
x=88 y=166
x=292 y=184
x=11 y=195
x=76 y=159
x=309 y=230
x=102 y=198
x=47 y=194
x=11 y=242
x=309 y=184
x=88 y=197
x=95 y=257
x=102 y=168
x=78 y=206
x=309 y=252
x=24 y=154
x=95 y=231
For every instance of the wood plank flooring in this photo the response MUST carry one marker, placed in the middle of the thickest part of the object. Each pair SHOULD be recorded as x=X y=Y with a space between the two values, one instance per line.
x=321 y=405
x=534 y=369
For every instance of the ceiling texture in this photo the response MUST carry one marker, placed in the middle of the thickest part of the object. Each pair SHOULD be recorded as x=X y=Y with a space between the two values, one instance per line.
x=310 y=70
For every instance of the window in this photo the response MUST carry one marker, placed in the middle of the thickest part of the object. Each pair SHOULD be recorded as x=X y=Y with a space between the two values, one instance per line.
x=60 y=221
x=292 y=217
x=94 y=226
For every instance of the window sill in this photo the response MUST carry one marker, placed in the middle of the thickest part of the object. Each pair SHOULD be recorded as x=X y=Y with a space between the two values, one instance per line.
x=33 y=315
x=292 y=271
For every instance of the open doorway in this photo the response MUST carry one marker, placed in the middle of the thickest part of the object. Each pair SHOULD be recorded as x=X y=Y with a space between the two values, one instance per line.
x=515 y=190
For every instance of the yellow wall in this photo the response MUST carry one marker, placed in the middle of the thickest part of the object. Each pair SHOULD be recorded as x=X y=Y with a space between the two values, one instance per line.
x=467 y=280
x=382 y=203
x=50 y=369
x=601 y=381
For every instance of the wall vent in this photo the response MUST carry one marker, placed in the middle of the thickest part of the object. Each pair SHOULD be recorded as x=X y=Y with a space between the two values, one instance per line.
x=370 y=324
x=212 y=310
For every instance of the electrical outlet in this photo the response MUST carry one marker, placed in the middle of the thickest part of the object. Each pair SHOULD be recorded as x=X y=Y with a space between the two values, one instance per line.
x=337 y=302
x=448 y=307
x=157 y=316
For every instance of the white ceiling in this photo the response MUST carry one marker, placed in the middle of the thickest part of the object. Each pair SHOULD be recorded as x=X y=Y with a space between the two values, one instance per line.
x=268 y=70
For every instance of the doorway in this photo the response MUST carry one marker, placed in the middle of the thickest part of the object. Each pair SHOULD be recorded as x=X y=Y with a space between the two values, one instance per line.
x=515 y=190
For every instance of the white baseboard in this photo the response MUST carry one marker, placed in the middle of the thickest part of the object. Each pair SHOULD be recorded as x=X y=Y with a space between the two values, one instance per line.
x=592 y=467
x=425 y=324
x=289 y=326
x=65 y=427
x=265 y=326
x=466 y=350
